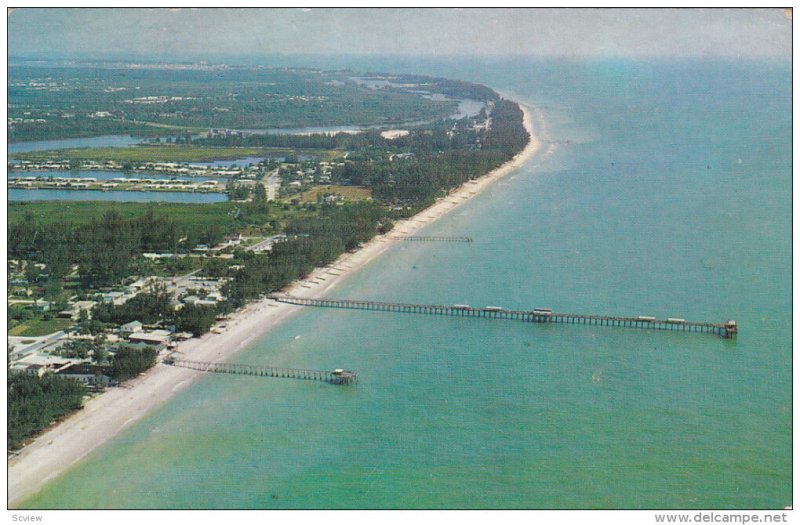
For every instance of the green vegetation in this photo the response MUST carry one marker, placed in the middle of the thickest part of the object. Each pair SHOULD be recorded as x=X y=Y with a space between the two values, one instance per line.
x=40 y=327
x=45 y=213
x=439 y=159
x=34 y=403
x=313 y=241
x=128 y=362
x=84 y=349
x=153 y=307
x=61 y=102
x=67 y=129
x=148 y=307
x=102 y=247
x=348 y=193
x=194 y=319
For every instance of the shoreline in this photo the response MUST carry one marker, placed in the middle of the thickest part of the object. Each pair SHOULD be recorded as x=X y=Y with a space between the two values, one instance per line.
x=105 y=416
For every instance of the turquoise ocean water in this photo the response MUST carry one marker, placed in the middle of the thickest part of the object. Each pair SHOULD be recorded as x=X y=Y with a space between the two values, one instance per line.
x=665 y=190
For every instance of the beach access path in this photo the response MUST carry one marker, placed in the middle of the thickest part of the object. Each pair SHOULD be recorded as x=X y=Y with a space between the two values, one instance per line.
x=103 y=417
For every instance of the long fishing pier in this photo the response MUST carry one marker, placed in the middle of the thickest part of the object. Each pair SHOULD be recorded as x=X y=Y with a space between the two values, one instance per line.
x=727 y=330
x=431 y=238
x=334 y=377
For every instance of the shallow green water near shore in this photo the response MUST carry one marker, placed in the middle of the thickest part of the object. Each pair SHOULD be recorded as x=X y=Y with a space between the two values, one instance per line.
x=666 y=191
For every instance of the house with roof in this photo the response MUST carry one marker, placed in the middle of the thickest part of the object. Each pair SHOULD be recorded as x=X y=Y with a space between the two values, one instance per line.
x=115 y=298
x=95 y=375
x=139 y=284
x=153 y=337
x=40 y=364
x=130 y=328
x=74 y=310
x=40 y=305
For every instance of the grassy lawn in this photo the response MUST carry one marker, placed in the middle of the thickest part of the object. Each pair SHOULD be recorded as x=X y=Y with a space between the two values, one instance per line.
x=48 y=212
x=161 y=153
x=39 y=327
x=350 y=193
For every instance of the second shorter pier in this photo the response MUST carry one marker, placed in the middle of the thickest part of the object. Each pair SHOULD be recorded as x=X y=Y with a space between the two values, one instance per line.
x=334 y=377
x=727 y=330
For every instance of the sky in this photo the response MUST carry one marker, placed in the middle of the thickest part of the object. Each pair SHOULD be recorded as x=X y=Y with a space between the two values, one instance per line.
x=739 y=33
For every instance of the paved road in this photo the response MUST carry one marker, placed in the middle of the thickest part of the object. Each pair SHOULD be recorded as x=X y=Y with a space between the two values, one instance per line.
x=265 y=244
x=272 y=182
x=181 y=282
x=40 y=343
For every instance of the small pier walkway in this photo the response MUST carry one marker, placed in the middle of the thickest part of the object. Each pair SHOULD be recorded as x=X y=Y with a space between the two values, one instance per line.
x=727 y=330
x=334 y=377
x=428 y=238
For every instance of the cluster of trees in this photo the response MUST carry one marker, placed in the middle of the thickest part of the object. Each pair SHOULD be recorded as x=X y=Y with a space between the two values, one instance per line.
x=104 y=246
x=451 y=88
x=196 y=319
x=256 y=209
x=441 y=159
x=155 y=307
x=314 y=141
x=74 y=127
x=84 y=348
x=129 y=362
x=312 y=241
x=15 y=313
x=237 y=191
x=151 y=307
x=34 y=402
x=415 y=183
x=507 y=132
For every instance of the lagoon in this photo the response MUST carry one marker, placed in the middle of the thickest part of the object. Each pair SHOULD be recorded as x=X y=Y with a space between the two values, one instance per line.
x=112 y=141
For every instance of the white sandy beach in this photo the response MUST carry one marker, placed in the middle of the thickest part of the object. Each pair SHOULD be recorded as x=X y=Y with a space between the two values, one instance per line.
x=105 y=416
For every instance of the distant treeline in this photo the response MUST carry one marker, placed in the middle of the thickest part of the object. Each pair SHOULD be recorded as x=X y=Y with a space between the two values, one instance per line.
x=104 y=246
x=452 y=88
x=237 y=97
x=77 y=128
x=353 y=141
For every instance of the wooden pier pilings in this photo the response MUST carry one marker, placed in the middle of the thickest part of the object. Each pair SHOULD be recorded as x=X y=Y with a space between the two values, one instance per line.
x=727 y=330
x=334 y=377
